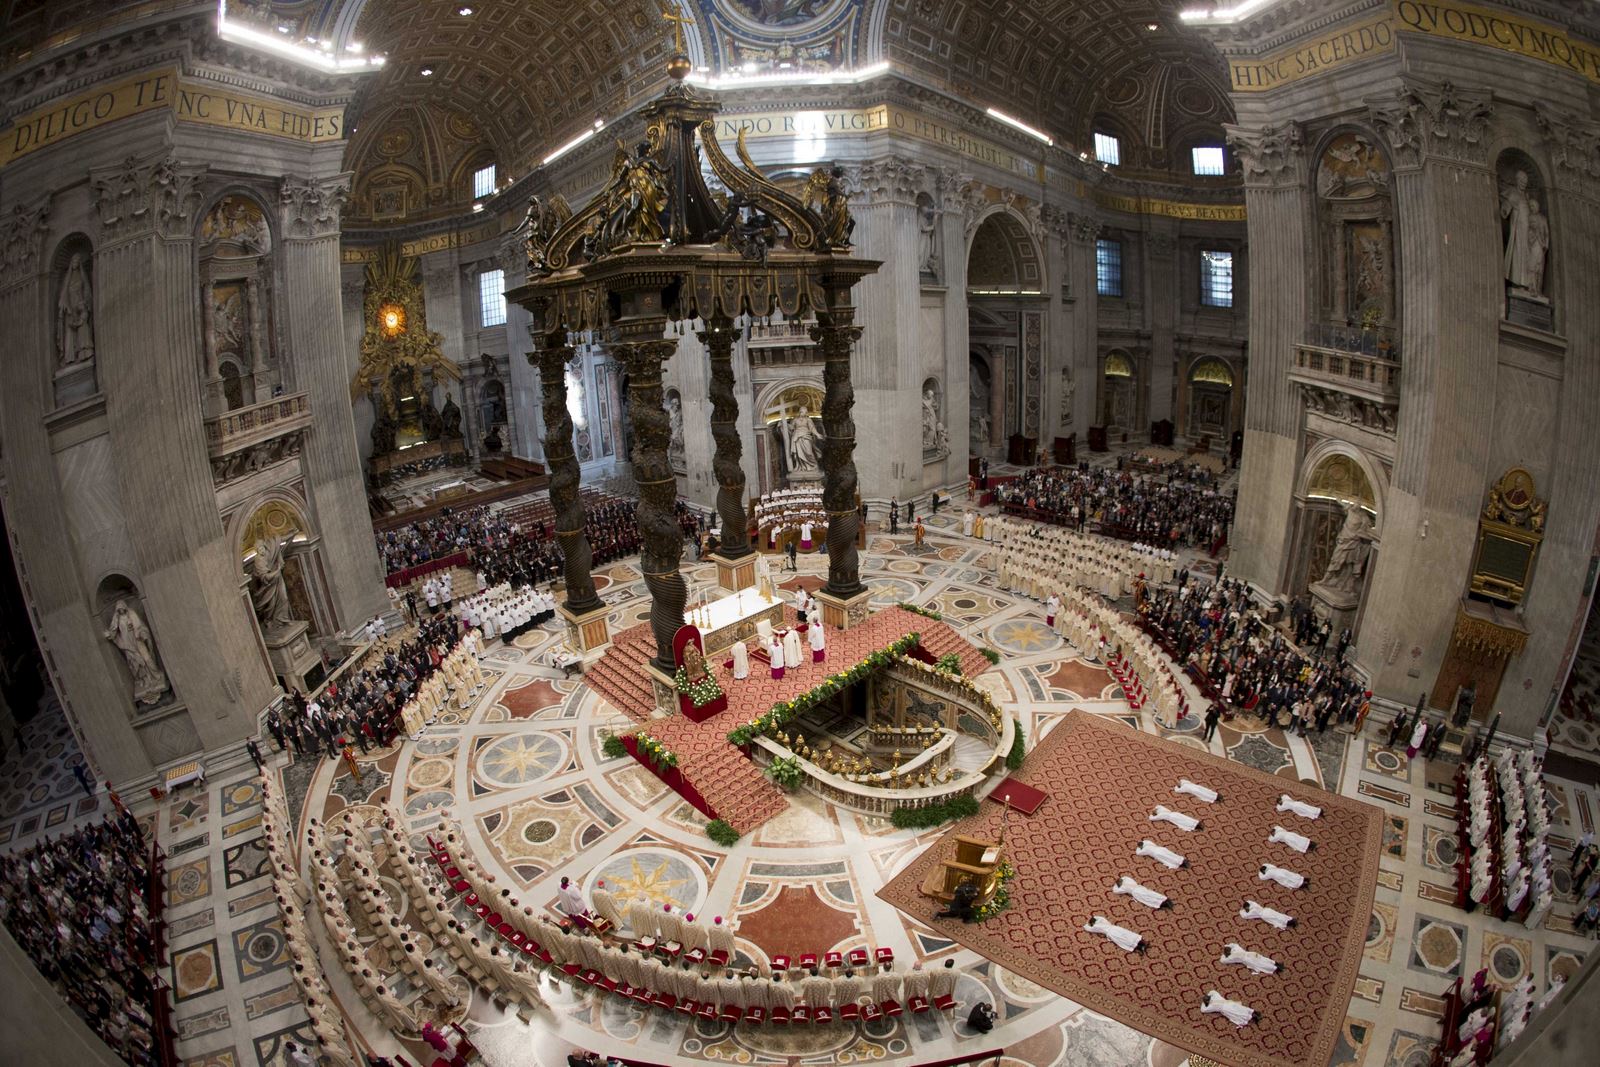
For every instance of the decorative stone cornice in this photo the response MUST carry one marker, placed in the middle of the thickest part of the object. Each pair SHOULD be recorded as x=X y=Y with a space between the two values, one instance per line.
x=137 y=197
x=512 y=257
x=1574 y=148
x=1428 y=121
x=1069 y=225
x=1270 y=155
x=312 y=206
x=22 y=242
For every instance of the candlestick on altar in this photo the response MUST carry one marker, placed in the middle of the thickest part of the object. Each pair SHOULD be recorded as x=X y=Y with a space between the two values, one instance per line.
x=1005 y=809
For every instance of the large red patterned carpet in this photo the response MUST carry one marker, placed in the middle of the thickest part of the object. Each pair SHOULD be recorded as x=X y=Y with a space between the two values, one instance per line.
x=1104 y=780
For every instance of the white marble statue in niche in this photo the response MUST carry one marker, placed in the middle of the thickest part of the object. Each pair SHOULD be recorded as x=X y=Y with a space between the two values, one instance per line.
x=268 y=593
x=928 y=225
x=803 y=444
x=675 y=445
x=75 y=316
x=132 y=637
x=935 y=437
x=1348 y=560
x=1527 y=237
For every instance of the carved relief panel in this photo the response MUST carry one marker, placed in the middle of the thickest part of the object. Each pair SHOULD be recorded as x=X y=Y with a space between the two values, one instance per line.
x=1356 y=224
x=236 y=290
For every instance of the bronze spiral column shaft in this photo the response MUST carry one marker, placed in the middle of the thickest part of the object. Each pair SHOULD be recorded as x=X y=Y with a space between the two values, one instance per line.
x=565 y=498
x=837 y=335
x=719 y=337
x=662 y=540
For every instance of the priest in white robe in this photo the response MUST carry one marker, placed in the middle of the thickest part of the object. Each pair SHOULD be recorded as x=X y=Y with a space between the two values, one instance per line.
x=1299 y=842
x=791 y=648
x=1127 y=887
x=1199 y=792
x=1271 y=872
x=775 y=657
x=1125 y=939
x=1186 y=823
x=741 y=661
x=1299 y=807
x=1052 y=606
x=1235 y=1012
x=1270 y=916
x=817 y=639
x=1233 y=952
x=1163 y=856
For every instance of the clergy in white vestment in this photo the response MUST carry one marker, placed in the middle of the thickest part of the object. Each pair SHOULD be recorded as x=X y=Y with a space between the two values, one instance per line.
x=1233 y=952
x=571 y=897
x=1270 y=916
x=1164 y=856
x=1299 y=807
x=1236 y=1013
x=1186 y=823
x=817 y=639
x=1124 y=938
x=1199 y=792
x=775 y=657
x=741 y=661
x=805 y=536
x=966 y=524
x=1051 y=607
x=1298 y=842
x=1127 y=887
x=791 y=648
x=1271 y=872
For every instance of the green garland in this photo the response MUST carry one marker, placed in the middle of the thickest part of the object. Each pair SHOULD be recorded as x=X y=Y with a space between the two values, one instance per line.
x=612 y=747
x=700 y=693
x=991 y=655
x=1002 y=894
x=722 y=833
x=655 y=753
x=949 y=663
x=930 y=815
x=785 y=710
x=927 y=613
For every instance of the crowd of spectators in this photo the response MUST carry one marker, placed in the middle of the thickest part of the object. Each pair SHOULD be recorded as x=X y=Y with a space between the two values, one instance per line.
x=529 y=555
x=363 y=706
x=445 y=534
x=77 y=905
x=1182 y=506
x=1253 y=667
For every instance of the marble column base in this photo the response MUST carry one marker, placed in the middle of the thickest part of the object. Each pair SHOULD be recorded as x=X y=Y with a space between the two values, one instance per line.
x=1335 y=605
x=735 y=574
x=586 y=632
x=666 y=692
x=841 y=614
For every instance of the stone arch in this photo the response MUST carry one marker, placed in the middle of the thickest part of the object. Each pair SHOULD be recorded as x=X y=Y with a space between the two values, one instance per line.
x=981 y=394
x=74 y=374
x=1333 y=474
x=1372 y=474
x=1210 y=397
x=281 y=514
x=780 y=400
x=1119 y=390
x=1002 y=257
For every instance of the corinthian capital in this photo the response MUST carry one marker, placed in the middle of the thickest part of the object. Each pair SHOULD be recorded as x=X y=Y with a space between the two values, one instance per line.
x=1574 y=148
x=1428 y=120
x=22 y=241
x=894 y=179
x=1270 y=155
x=138 y=196
x=312 y=206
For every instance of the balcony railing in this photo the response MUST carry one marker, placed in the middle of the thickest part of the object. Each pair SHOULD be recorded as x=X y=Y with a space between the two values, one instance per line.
x=242 y=427
x=1380 y=341
x=780 y=332
x=1355 y=361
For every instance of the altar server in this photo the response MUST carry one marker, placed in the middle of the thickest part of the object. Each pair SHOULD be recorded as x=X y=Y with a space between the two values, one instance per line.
x=1271 y=872
x=775 y=656
x=817 y=639
x=1233 y=952
x=1124 y=938
x=1199 y=792
x=1299 y=807
x=1186 y=823
x=1051 y=607
x=741 y=661
x=1164 y=856
x=1236 y=1013
x=1127 y=887
x=1298 y=842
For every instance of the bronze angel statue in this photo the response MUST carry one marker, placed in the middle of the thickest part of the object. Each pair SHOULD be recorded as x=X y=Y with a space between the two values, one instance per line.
x=540 y=224
x=825 y=194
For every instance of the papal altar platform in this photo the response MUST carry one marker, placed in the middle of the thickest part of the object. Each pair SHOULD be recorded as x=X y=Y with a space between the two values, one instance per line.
x=733 y=618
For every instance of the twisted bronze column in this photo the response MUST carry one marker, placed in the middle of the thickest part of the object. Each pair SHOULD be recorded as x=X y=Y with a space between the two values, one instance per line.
x=551 y=358
x=662 y=547
x=837 y=334
x=719 y=340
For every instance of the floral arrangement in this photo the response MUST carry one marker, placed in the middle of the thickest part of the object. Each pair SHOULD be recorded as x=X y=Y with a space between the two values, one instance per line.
x=1002 y=894
x=612 y=747
x=1019 y=749
x=949 y=663
x=785 y=710
x=659 y=756
x=927 y=613
x=699 y=693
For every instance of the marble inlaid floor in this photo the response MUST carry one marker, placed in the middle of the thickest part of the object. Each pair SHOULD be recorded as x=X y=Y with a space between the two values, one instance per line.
x=524 y=772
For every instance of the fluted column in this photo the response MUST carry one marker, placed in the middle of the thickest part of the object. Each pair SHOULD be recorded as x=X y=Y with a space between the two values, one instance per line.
x=837 y=334
x=314 y=316
x=719 y=340
x=551 y=358
x=662 y=548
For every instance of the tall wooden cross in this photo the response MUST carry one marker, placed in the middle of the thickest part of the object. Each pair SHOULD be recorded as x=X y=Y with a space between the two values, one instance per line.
x=678 y=23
